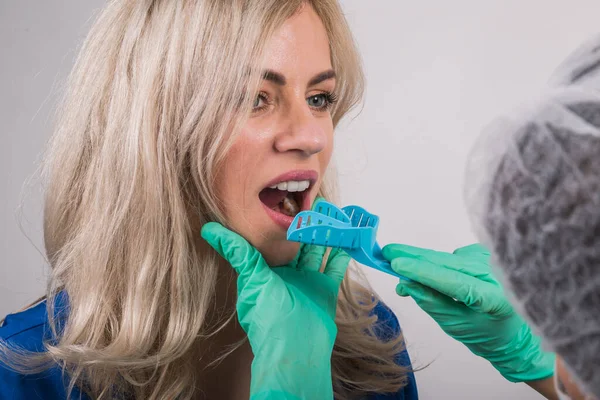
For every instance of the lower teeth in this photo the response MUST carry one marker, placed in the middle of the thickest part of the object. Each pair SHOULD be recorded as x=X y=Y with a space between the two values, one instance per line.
x=288 y=206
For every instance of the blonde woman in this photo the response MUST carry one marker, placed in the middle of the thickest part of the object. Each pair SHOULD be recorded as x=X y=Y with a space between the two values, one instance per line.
x=192 y=132
x=180 y=113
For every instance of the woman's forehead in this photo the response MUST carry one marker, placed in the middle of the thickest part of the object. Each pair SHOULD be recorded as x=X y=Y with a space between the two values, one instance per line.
x=299 y=47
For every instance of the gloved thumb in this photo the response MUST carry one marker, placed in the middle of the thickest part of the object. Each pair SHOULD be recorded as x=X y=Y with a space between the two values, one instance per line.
x=429 y=300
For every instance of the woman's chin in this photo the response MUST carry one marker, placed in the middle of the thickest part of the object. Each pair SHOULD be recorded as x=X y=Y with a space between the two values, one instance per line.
x=279 y=253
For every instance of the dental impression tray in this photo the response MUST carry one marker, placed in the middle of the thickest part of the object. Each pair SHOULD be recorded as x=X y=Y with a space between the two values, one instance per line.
x=352 y=229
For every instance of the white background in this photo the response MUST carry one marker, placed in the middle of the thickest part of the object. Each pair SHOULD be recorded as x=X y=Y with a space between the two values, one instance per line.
x=437 y=71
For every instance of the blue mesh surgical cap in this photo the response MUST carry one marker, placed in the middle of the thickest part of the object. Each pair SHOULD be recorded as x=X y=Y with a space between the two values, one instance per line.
x=533 y=196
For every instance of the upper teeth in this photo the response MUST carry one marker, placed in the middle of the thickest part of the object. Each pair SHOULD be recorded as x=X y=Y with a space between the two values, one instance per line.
x=292 y=186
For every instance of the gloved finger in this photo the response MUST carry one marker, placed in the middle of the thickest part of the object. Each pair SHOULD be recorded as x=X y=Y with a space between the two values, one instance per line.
x=431 y=301
x=243 y=257
x=467 y=265
x=337 y=264
x=478 y=295
x=311 y=258
x=393 y=250
x=474 y=260
x=472 y=249
x=317 y=200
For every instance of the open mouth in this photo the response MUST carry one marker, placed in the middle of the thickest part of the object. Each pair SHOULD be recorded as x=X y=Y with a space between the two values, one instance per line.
x=286 y=198
x=287 y=195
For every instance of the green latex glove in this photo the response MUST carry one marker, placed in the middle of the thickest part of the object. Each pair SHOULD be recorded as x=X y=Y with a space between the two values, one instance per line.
x=460 y=293
x=288 y=314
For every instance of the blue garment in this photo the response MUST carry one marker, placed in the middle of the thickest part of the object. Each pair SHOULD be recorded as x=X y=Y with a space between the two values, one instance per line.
x=388 y=327
x=28 y=328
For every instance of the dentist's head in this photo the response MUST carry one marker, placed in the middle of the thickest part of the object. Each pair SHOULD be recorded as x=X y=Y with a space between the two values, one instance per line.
x=533 y=192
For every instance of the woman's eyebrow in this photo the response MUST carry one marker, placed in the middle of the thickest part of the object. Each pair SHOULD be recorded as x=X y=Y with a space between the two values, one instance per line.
x=275 y=77
x=323 y=76
x=279 y=79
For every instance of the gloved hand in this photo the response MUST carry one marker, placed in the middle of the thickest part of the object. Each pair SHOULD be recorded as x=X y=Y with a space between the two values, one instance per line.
x=288 y=314
x=459 y=292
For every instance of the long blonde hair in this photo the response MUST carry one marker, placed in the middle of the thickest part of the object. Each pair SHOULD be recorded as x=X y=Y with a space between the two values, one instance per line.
x=151 y=103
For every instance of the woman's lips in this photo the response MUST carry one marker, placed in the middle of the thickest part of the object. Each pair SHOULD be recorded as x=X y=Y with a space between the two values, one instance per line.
x=284 y=221
x=299 y=175
x=280 y=219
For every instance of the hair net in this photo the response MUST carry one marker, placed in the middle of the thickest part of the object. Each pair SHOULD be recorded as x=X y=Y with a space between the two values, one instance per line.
x=582 y=67
x=533 y=194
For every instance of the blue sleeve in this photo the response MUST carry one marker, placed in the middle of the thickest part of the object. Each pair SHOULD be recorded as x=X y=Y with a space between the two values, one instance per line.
x=388 y=327
x=25 y=330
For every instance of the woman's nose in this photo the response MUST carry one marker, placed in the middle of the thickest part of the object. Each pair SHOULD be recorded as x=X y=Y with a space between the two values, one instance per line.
x=301 y=132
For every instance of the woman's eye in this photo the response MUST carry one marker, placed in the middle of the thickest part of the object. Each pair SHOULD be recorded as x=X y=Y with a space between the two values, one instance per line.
x=318 y=101
x=322 y=101
x=257 y=102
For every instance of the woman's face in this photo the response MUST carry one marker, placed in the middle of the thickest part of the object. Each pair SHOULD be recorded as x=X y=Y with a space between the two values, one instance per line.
x=275 y=167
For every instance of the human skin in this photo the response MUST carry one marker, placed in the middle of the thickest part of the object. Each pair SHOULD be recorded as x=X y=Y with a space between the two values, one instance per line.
x=290 y=129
